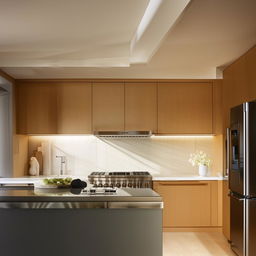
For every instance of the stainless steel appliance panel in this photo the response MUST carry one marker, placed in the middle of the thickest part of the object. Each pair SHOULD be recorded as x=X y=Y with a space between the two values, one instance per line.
x=242 y=178
x=236 y=165
x=251 y=232
x=237 y=227
x=251 y=149
x=92 y=232
x=135 y=179
x=80 y=205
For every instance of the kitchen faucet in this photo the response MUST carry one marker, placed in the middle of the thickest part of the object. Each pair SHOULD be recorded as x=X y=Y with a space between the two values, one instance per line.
x=62 y=162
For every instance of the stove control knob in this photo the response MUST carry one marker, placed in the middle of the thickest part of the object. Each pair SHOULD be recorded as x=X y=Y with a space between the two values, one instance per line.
x=100 y=185
x=124 y=185
x=129 y=185
x=118 y=185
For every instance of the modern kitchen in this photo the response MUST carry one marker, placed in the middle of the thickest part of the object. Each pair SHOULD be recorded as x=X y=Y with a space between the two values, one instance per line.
x=127 y=127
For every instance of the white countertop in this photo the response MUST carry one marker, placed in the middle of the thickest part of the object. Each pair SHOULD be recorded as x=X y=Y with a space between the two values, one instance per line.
x=32 y=179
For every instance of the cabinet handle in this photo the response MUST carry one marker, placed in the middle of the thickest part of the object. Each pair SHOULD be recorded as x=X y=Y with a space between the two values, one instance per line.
x=185 y=184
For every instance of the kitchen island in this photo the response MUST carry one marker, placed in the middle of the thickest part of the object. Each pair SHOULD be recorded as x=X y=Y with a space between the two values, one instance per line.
x=76 y=222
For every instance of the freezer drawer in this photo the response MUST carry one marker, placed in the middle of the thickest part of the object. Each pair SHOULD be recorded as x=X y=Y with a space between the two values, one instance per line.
x=251 y=223
x=237 y=224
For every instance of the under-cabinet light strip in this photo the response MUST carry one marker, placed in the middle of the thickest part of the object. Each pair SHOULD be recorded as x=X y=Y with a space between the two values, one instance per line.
x=183 y=136
x=153 y=136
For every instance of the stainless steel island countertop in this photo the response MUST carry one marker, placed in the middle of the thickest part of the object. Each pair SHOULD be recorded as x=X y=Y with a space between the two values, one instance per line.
x=76 y=198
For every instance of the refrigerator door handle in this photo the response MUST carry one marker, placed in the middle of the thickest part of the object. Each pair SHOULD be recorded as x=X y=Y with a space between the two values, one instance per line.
x=227 y=153
x=246 y=149
x=246 y=174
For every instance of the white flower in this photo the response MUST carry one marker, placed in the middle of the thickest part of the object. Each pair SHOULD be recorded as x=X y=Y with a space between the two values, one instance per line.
x=199 y=158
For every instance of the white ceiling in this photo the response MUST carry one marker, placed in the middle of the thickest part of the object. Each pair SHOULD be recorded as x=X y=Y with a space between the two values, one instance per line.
x=68 y=33
x=92 y=38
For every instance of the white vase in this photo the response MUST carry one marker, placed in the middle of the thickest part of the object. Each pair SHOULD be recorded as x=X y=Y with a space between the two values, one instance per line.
x=34 y=167
x=203 y=170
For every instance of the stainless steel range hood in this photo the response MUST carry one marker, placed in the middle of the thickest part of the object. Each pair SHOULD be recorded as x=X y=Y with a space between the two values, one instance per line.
x=123 y=133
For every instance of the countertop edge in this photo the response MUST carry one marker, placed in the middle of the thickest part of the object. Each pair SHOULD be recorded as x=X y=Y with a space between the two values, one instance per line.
x=31 y=180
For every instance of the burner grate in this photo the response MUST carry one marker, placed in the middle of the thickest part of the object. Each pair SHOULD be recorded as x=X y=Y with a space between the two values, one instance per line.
x=120 y=173
x=135 y=179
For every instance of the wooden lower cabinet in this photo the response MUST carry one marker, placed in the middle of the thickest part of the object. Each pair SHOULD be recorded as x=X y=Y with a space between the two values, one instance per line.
x=226 y=210
x=190 y=204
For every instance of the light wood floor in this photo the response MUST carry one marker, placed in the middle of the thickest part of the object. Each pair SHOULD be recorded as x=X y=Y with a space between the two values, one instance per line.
x=195 y=244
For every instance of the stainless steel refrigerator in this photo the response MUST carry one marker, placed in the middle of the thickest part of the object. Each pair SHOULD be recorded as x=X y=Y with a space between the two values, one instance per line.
x=242 y=178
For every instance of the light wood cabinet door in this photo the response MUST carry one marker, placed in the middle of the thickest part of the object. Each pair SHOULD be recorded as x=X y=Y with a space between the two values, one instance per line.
x=250 y=74
x=108 y=106
x=141 y=107
x=186 y=204
x=74 y=108
x=185 y=108
x=36 y=108
x=226 y=210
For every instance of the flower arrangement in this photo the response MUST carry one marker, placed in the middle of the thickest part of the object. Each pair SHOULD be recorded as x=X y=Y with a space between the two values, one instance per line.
x=199 y=158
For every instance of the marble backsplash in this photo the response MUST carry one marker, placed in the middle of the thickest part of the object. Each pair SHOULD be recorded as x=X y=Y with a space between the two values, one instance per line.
x=161 y=156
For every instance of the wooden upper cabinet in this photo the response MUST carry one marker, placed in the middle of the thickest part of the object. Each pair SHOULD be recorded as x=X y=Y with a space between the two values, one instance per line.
x=36 y=108
x=46 y=107
x=53 y=108
x=108 y=106
x=141 y=107
x=185 y=108
x=250 y=76
x=74 y=108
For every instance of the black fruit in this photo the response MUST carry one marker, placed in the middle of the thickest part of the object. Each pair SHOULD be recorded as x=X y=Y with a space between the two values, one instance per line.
x=77 y=183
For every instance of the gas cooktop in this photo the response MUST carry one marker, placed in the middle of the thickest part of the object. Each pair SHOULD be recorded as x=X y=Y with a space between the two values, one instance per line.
x=134 y=179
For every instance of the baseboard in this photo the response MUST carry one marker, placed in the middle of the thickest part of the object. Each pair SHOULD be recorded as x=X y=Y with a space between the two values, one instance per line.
x=193 y=229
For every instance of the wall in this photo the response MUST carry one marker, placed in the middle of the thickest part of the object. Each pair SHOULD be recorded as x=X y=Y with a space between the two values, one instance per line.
x=162 y=156
x=6 y=126
x=20 y=155
x=20 y=147
x=19 y=142
x=239 y=82
x=5 y=157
